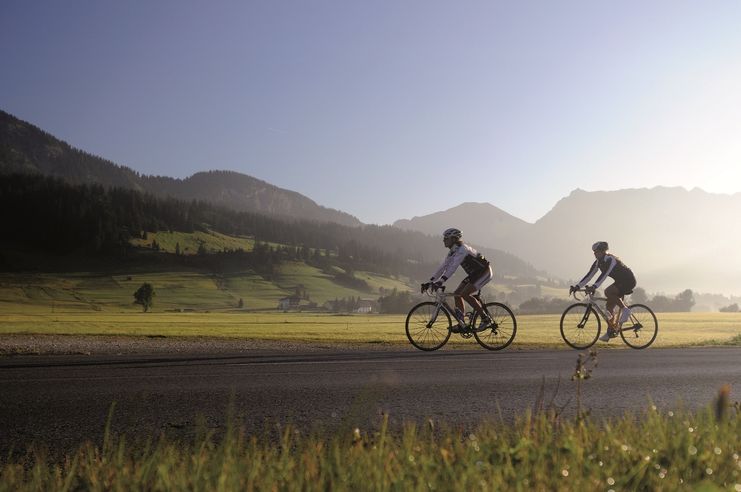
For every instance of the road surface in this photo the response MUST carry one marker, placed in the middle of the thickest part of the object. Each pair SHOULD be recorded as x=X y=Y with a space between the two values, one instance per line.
x=60 y=401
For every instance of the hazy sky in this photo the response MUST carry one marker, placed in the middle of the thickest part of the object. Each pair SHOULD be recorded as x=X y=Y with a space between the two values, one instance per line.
x=391 y=109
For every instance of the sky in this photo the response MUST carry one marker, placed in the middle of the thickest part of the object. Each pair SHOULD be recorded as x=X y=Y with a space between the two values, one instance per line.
x=391 y=109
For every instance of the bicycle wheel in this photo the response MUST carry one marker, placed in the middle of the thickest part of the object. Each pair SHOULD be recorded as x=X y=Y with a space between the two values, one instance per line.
x=427 y=326
x=502 y=331
x=641 y=329
x=580 y=326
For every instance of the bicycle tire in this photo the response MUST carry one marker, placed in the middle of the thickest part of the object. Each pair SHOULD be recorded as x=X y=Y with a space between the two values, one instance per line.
x=643 y=329
x=577 y=327
x=501 y=334
x=424 y=333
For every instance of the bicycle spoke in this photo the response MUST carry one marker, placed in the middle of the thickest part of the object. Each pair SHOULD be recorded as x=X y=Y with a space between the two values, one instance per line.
x=580 y=326
x=502 y=331
x=641 y=329
x=422 y=332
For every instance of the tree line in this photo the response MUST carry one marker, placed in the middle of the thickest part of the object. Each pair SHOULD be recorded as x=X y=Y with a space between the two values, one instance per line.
x=48 y=215
x=682 y=302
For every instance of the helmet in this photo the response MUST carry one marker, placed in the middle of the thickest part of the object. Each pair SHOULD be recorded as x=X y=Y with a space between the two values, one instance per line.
x=453 y=233
x=600 y=246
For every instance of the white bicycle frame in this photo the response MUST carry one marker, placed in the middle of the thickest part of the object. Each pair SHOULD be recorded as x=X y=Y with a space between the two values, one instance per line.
x=592 y=301
x=440 y=297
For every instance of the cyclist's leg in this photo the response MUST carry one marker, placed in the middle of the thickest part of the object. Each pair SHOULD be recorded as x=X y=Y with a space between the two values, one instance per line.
x=624 y=287
x=463 y=291
x=475 y=285
x=613 y=299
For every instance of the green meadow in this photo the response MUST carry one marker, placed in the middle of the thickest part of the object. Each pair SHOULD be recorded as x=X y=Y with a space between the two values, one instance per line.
x=205 y=305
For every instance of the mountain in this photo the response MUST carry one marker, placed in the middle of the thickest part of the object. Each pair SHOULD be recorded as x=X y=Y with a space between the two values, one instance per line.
x=24 y=148
x=483 y=223
x=28 y=152
x=672 y=238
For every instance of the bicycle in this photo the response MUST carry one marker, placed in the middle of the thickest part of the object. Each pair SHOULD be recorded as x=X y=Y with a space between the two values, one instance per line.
x=581 y=324
x=429 y=324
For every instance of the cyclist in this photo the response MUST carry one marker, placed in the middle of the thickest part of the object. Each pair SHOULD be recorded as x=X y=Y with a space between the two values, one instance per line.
x=478 y=270
x=610 y=266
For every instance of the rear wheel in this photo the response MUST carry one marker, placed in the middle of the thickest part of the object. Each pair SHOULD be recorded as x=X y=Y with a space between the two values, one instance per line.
x=502 y=330
x=641 y=328
x=580 y=326
x=428 y=326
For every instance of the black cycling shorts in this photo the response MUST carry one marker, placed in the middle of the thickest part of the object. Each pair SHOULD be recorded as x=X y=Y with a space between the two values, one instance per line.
x=625 y=285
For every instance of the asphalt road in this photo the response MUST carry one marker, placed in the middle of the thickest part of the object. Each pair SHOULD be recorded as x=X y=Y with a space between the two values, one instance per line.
x=60 y=401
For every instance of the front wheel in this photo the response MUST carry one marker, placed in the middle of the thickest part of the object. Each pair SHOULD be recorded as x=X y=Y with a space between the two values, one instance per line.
x=428 y=326
x=641 y=328
x=580 y=326
x=502 y=330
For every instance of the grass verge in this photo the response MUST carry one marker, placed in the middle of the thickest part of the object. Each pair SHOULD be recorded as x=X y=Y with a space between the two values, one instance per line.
x=653 y=450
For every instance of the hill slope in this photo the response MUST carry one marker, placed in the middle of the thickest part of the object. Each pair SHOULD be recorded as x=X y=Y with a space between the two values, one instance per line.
x=25 y=148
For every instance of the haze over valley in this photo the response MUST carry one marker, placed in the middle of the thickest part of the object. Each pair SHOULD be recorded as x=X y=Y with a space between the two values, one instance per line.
x=673 y=238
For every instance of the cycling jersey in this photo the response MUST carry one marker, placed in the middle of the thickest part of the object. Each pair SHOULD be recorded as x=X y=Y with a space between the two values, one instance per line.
x=464 y=256
x=610 y=266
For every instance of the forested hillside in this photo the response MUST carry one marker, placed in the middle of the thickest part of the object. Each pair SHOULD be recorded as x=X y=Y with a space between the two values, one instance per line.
x=52 y=217
x=25 y=148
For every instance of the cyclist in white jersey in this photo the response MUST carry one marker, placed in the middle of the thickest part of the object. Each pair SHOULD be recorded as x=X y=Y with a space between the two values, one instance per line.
x=479 y=273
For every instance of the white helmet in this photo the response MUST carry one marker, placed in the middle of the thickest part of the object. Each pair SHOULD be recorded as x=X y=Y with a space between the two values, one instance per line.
x=452 y=232
x=600 y=246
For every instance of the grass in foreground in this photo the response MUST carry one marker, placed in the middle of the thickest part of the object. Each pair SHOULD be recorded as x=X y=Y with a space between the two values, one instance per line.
x=651 y=451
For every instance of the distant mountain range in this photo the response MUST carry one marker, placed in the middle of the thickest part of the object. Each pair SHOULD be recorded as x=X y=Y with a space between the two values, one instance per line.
x=671 y=237
x=24 y=148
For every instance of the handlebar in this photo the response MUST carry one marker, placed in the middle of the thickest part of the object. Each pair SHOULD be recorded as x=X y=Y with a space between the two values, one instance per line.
x=587 y=290
x=432 y=289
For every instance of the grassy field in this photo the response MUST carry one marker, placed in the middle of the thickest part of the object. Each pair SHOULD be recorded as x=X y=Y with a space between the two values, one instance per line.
x=76 y=292
x=661 y=451
x=675 y=329
x=198 y=304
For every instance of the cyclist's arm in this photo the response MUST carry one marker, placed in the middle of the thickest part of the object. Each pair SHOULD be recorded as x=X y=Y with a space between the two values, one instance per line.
x=440 y=270
x=606 y=273
x=592 y=271
x=451 y=263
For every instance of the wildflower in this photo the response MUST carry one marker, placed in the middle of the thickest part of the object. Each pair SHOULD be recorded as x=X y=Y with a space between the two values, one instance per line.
x=610 y=481
x=709 y=471
x=717 y=450
x=565 y=473
x=692 y=450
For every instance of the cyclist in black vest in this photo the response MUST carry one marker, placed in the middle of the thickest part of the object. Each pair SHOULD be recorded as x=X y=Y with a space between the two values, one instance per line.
x=610 y=266
x=479 y=274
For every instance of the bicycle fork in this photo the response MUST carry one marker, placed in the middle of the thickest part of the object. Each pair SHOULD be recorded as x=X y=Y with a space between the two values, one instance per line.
x=433 y=318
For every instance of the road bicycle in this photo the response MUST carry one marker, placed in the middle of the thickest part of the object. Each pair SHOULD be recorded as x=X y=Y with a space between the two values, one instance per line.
x=581 y=323
x=429 y=324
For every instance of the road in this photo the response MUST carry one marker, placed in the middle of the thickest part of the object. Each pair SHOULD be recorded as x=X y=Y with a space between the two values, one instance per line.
x=59 y=401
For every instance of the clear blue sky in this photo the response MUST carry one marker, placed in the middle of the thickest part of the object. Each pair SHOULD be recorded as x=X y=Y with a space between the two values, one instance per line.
x=389 y=109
